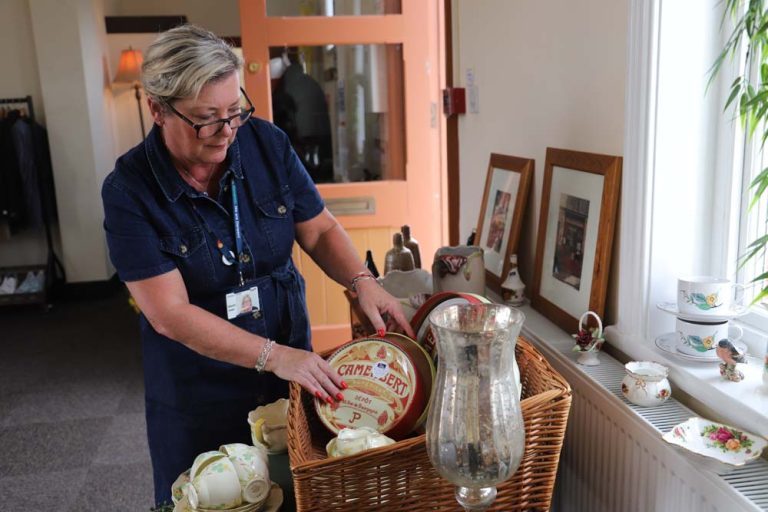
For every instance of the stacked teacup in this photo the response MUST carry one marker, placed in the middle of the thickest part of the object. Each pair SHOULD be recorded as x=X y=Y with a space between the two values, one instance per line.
x=705 y=305
x=235 y=477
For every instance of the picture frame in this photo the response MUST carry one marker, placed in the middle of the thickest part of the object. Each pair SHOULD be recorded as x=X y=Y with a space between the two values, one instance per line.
x=579 y=203
x=505 y=196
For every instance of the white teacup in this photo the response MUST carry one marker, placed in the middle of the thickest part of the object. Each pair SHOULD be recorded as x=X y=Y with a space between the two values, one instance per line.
x=203 y=460
x=269 y=426
x=217 y=486
x=707 y=295
x=355 y=440
x=250 y=463
x=701 y=338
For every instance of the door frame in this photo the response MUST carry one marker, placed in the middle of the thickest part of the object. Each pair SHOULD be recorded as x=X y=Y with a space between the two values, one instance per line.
x=421 y=200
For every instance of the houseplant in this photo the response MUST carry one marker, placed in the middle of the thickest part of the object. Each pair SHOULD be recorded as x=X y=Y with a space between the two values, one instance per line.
x=749 y=95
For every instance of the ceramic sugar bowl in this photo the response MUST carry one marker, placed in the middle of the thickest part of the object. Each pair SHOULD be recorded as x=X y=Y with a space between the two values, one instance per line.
x=646 y=383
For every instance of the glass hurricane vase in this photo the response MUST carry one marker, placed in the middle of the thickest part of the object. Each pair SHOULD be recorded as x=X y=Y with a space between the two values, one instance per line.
x=475 y=434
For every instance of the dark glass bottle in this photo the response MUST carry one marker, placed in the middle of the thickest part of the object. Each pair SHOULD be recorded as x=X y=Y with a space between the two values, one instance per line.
x=471 y=238
x=370 y=265
x=412 y=244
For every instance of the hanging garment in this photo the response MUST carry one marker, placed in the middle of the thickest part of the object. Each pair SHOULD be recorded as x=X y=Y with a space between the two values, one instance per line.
x=30 y=141
x=11 y=191
x=21 y=134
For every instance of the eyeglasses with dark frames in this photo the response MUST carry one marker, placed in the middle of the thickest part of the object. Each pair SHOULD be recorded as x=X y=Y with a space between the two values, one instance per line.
x=207 y=130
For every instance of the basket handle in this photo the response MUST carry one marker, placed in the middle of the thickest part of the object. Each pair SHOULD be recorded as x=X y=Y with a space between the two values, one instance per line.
x=599 y=333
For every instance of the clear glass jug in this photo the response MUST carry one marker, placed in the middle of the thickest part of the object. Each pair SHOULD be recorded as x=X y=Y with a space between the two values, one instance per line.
x=475 y=434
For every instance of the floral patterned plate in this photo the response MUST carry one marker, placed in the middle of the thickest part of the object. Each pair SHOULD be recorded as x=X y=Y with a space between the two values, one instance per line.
x=723 y=443
x=671 y=308
x=273 y=503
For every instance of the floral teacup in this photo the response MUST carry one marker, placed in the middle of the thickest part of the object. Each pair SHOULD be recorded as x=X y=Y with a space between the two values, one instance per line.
x=269 y=426
x=250 y=463
x=700 y=338
x=708 y=296
x=216 y=486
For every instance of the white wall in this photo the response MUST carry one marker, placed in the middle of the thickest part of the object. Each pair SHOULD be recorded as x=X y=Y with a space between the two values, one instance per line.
x=220 y=16
x=549 y=73
x=71 y=51
x=18 y=79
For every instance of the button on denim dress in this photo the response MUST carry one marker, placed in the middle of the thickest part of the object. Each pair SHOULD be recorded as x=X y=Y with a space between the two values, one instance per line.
x=194 y=403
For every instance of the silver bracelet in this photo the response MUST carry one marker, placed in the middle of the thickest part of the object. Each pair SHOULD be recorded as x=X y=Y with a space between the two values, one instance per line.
x=359 y=276
x=265 y=351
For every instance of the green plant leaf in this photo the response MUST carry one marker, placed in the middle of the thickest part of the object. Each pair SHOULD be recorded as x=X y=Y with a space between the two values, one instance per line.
x=758 y=193
x=760 y=296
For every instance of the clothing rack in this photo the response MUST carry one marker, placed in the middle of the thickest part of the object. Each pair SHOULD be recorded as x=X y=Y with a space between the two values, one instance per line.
x=54 y=270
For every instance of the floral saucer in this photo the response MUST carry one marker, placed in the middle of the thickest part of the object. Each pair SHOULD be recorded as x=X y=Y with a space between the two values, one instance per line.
x=668 y=343
x=181 y=502
x=671 y=308
x=723 y=443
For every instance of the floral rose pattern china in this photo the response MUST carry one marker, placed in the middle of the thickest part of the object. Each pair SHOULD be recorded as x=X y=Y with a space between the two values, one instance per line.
x=728 y=439
x=701 y=301
x=698 y=343
x=721 y=442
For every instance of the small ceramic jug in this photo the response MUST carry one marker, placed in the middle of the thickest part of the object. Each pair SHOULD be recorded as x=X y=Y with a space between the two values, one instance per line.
x=459 y=269
x=646 y=383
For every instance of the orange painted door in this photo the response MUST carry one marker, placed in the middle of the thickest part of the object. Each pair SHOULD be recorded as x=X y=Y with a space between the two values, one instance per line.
x=356 y=85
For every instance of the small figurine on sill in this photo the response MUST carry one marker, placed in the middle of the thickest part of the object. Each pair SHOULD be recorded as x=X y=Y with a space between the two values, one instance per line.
x=589 y=340
x=513 y=288
x=730 y=355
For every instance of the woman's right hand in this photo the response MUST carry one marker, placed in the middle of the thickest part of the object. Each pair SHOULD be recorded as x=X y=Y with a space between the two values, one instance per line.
x=308 y=369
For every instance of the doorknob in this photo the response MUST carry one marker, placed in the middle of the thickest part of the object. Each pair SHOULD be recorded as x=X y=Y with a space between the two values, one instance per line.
x=254 y=67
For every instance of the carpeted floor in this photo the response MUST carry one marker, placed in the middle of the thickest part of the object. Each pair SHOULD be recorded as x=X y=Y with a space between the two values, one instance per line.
x=72 y=430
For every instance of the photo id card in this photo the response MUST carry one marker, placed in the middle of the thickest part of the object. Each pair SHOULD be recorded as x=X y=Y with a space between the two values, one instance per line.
x=242 y=303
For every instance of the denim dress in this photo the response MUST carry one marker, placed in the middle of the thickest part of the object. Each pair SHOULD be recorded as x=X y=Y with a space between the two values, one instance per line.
x=155 y=223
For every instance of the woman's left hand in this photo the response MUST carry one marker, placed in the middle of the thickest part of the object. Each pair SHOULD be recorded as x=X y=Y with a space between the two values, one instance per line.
x=377 y=304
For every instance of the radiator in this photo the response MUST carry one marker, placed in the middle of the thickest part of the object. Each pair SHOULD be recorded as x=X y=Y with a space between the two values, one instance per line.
x=614 y=459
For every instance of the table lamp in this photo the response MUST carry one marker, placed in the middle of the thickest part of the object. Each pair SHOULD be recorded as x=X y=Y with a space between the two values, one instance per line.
x=129 y=71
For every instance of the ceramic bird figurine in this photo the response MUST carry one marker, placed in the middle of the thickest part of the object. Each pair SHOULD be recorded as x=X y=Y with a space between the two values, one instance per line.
x=731 y=356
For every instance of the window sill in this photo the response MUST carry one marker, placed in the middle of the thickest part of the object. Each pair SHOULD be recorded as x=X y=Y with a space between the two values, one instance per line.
x=699 y=386
x=742 y=404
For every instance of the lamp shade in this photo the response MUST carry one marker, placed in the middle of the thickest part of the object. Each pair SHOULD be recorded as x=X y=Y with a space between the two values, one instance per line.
x=129 y=69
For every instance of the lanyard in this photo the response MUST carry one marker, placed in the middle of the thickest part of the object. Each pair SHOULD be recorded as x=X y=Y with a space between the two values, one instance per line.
x=227 y=255
x=238 y=234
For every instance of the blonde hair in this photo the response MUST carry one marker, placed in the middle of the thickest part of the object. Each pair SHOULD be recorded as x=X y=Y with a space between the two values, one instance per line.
x=184 y=59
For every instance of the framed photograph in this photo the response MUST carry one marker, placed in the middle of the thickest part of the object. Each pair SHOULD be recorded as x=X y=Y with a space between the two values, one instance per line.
x=579 y=200
x=501 y=214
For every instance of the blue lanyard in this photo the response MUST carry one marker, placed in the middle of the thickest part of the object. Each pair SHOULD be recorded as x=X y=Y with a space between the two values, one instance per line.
x=227 y=256
x=238 y=234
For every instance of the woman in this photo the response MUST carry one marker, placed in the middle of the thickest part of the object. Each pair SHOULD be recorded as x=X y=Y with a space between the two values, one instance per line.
x=208 y=207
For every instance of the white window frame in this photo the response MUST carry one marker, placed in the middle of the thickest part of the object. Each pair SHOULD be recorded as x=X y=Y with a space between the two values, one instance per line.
x=649 y=223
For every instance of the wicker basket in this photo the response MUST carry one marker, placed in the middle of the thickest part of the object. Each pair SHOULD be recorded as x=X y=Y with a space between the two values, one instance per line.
x=400 y=476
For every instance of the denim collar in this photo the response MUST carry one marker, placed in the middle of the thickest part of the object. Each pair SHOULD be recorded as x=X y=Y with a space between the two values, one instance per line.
x=169 y=179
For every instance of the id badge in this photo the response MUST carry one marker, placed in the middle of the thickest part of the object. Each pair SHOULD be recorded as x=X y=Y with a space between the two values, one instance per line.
x=244 y=302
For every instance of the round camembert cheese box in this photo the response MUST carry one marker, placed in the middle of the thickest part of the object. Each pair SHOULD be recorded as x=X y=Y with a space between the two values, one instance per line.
x=384 y=389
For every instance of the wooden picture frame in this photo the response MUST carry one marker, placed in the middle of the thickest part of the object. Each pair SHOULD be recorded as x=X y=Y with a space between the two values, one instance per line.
x=579 y=203
x=501 y=215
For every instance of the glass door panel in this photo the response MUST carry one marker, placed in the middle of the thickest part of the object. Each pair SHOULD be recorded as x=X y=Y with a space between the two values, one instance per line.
x=332 y=7
x=342 y=107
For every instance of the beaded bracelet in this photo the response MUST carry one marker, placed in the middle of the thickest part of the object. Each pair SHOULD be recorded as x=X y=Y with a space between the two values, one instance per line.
x=359 y=276
x=263 y=356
